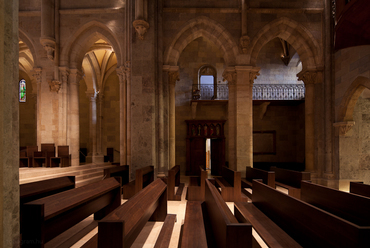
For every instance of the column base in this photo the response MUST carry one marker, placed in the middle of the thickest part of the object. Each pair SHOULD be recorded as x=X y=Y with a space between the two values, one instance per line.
x=98 y=159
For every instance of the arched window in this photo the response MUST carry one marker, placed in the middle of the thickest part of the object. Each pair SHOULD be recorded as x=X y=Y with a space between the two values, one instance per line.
x=22 y=90
x=207 y=82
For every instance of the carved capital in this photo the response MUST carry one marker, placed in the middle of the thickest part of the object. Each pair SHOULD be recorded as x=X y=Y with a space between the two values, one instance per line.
x=92 y=95
x=121 y=73
x=49 y=45
x=75 y=76
x=252 y=76
x=55 y=86
x=344 y=127
x=244 y=43
x=64 y=73
x=229 y=76
x=310 y=77
x=141 y=27
x=37 y=74
x=173 y=76
x=128 y=67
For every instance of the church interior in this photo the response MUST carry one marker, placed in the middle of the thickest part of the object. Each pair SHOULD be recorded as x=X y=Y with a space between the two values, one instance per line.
x=178 y=100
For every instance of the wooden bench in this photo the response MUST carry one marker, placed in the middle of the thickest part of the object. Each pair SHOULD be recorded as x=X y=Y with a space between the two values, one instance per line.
x=172 y=181
x=36 y=190
x=120 y=228
x=359 y=188
x=351 y=207
x=229 y=184
x=122 y=171
x=267 y=177
x=221 y=227
x=290 y=180
x=144 y=176
x=306 y=224
x=197 y=185
x=48 y=217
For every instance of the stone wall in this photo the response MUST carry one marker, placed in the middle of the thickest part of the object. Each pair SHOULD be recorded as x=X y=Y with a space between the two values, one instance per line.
x=288 y=122
x=350 y=63
x=198 y=53
x=354 y=146
x=27 y=115
x=273 y=70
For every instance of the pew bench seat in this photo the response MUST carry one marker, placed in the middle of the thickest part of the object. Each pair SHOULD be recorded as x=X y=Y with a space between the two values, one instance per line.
x=271 y=233
x=292 y=191
x=193 y=226
x=122 y=226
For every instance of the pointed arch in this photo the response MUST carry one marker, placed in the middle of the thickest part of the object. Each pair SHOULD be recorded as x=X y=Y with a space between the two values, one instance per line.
x=26 y=40
x=79 y=44
x=295 y=34
x=349 y=100
x=202 y=27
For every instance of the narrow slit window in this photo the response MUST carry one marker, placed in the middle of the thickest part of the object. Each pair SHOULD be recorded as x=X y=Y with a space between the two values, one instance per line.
x=22 y=90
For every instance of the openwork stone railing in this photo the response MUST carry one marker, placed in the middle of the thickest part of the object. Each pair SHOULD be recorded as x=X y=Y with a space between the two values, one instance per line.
x=278 y=91
x=260 y=92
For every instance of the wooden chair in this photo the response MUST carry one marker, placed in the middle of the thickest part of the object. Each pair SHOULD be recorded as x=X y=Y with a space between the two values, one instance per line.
x=39 y=159
x=63 y=159
x=49 y=152
x=30 y=151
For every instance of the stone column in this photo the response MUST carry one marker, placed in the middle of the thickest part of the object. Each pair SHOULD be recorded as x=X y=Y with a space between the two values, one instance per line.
x=74 y=116
x=92 y=126
x=47 y=38
x=128 y=113
x=63 y=106
x=9 y=125
x=99 y=157
x=241 y=115
x=310 y=78
x=37 y=74
x=123 y=114
x=173 y=76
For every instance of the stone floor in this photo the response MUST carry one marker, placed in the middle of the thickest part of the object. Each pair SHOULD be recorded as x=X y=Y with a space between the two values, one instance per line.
x=76 y=236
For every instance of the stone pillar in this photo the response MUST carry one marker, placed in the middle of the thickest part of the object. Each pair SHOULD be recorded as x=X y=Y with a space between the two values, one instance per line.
x=37 y=75
x=141 y=15
x=9 y=125
x=47 y=38
x=128 y=113
x=91 y=156
x=63 y=106
x=99 y=157
x=74 y=116
x=173 y=76
x=123 y=114
x=240 y=115
x=310 y=78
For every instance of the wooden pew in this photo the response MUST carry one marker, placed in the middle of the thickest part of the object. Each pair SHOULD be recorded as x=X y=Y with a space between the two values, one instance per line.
x=120 y=228
x=290 y=180
x=351 y=207
x=172 y=181
x=230 y=184
x=36 y=190
x=221 y=227
x=359 y=188
x=122 y=171
x=306 y=224
x=193 y=232
x=144 y=176
x=267 y=177
x=197 y=186
x=48 y=217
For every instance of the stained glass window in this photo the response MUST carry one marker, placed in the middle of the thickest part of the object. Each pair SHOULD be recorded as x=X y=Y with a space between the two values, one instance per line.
x=22 y=90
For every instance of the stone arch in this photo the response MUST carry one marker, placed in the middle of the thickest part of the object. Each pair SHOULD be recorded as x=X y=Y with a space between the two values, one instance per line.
x=295 y=34
x=24 y=37
x=202 y=27
x=80 y=43
x=349 y=100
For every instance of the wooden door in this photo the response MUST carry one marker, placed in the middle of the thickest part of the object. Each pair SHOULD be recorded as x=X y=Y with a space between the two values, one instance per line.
x=197 y=155
x=217 y=156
